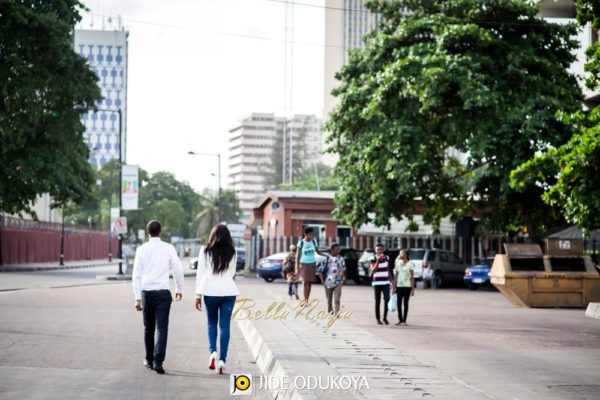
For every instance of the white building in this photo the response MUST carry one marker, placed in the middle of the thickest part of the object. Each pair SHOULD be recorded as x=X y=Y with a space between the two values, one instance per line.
x=346 y=24
x=264 y=148
x=562 y=12
x=106 y=53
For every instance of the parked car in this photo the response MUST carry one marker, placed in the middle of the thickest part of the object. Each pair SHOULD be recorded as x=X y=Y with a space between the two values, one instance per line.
x=269 y=268
x=363 y=267
x=478 y=274
x=444 y=265
x=364 y=263
x=351 y=257
x=240 y=262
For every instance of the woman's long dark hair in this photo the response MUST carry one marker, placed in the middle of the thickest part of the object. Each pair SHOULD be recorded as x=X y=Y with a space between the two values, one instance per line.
x=220 y=247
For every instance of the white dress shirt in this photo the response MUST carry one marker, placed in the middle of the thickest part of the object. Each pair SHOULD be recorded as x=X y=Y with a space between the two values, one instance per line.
x=153 y=262
x=211 y=284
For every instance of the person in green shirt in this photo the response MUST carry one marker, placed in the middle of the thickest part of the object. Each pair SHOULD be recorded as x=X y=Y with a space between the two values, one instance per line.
x=403 y=284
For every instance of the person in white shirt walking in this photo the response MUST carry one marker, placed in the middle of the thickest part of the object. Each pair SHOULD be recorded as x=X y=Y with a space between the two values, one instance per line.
x=151 y=267
x=215 y=282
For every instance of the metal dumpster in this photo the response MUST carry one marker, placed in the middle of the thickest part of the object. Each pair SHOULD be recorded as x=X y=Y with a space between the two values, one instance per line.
x=564 y=277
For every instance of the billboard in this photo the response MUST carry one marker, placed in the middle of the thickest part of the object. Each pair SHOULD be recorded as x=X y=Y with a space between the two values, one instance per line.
x=130 y=187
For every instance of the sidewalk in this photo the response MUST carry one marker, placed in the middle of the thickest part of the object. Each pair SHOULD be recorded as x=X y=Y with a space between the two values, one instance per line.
x=51 y=266
x=299 y=347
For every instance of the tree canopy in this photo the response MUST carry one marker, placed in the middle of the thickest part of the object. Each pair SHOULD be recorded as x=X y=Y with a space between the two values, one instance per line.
x=42 y=79
x=446 y=98
x=570 y=174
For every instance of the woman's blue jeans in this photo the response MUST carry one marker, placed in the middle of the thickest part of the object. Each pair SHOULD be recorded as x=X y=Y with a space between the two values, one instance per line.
x=218 y=311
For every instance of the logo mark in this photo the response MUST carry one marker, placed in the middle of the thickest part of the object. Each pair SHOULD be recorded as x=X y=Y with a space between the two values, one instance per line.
x=240 y=385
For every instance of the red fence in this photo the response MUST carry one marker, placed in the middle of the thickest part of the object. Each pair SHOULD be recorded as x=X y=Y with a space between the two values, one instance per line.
x=39 y=243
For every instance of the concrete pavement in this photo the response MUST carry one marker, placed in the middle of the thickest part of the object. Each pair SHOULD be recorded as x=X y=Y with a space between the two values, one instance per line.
x=67 y=335
x=87 y=343
x=50 y=266
x=459 y=345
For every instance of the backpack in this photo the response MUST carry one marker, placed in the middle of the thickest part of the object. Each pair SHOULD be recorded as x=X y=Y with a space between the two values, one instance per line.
x=290 y=265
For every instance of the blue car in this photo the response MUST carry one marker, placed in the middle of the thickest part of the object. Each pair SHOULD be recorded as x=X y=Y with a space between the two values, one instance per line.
x=478 y=275
x=269 y=268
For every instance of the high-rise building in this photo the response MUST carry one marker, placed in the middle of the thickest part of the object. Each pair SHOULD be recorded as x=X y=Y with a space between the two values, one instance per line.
x=346 y=24
x=266 y=150
x=106 y=53
x=302 y=145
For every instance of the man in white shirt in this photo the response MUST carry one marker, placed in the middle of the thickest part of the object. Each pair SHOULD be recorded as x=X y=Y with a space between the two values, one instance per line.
x=153 y=262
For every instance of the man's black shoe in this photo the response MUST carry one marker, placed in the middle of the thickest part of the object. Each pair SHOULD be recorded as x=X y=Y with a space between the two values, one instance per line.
x=385 y=321
x=148 y=364
x=379 y=322
x=159 y=369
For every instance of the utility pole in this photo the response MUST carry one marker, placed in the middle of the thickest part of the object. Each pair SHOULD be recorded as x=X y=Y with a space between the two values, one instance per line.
x=120 y=187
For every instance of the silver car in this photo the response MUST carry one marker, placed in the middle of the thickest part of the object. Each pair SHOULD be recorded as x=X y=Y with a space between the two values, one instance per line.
x=435 y=266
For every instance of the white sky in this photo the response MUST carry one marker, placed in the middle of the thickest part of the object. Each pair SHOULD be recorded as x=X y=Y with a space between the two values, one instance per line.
x=192 y=80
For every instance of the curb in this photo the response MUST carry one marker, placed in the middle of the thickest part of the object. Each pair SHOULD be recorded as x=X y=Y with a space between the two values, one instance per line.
x=54 y=268
x=593 y=311
x=126 y=277
x=265 y=360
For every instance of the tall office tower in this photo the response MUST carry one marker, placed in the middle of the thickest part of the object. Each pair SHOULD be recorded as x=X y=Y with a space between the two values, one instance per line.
x=106 y=53
x=346 y=24
x=302 y=145
x=266 y=150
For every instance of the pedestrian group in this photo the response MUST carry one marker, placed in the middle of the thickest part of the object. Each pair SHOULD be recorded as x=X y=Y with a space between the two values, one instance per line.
x=216 y=288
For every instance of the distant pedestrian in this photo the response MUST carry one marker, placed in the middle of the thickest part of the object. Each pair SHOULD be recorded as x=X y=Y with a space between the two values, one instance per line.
x=215 y=282
x=404 y=284
x=332 y=275
x=150 y=278
x=380 y=279
x=289 y=273
x=306 y=261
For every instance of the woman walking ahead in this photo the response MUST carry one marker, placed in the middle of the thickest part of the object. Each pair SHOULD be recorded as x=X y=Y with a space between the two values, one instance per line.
x=214 y=282
x=306 y=261
x=404 y=284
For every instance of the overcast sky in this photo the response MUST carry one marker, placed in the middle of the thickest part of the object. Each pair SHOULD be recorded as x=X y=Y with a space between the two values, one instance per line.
x=196 y=67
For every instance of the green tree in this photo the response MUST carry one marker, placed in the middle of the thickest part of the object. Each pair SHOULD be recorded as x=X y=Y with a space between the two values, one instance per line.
x=172 y=216
x=42 y=79
x=472 y=77
x=570 y=174
x=209 y=211
x=154 y=188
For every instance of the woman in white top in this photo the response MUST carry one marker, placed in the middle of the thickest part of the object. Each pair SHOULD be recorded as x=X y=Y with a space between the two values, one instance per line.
x=214 y=282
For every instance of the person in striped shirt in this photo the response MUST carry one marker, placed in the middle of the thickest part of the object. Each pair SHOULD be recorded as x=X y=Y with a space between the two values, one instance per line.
x=380 y=279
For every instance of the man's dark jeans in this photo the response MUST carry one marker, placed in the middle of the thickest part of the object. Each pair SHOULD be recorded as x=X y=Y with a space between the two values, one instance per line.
x=156 y=305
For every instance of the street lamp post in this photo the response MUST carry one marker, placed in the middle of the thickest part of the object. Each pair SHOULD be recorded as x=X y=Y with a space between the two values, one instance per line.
x=218 y=155
x=119 y=111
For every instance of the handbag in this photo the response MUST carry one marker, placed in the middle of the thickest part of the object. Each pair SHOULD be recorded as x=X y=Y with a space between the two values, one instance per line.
x=393 y=303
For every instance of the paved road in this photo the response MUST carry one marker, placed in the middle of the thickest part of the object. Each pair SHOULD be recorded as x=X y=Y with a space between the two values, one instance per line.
x=87 y=343
x=482 y=341
x=54 y=278
x=62 y=277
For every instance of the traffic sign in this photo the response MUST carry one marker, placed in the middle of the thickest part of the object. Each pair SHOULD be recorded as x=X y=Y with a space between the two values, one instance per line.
x=121 y=225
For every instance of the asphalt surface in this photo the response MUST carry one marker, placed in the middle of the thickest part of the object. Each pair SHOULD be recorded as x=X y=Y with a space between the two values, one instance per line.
x=86 y=342
x=66 y=335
